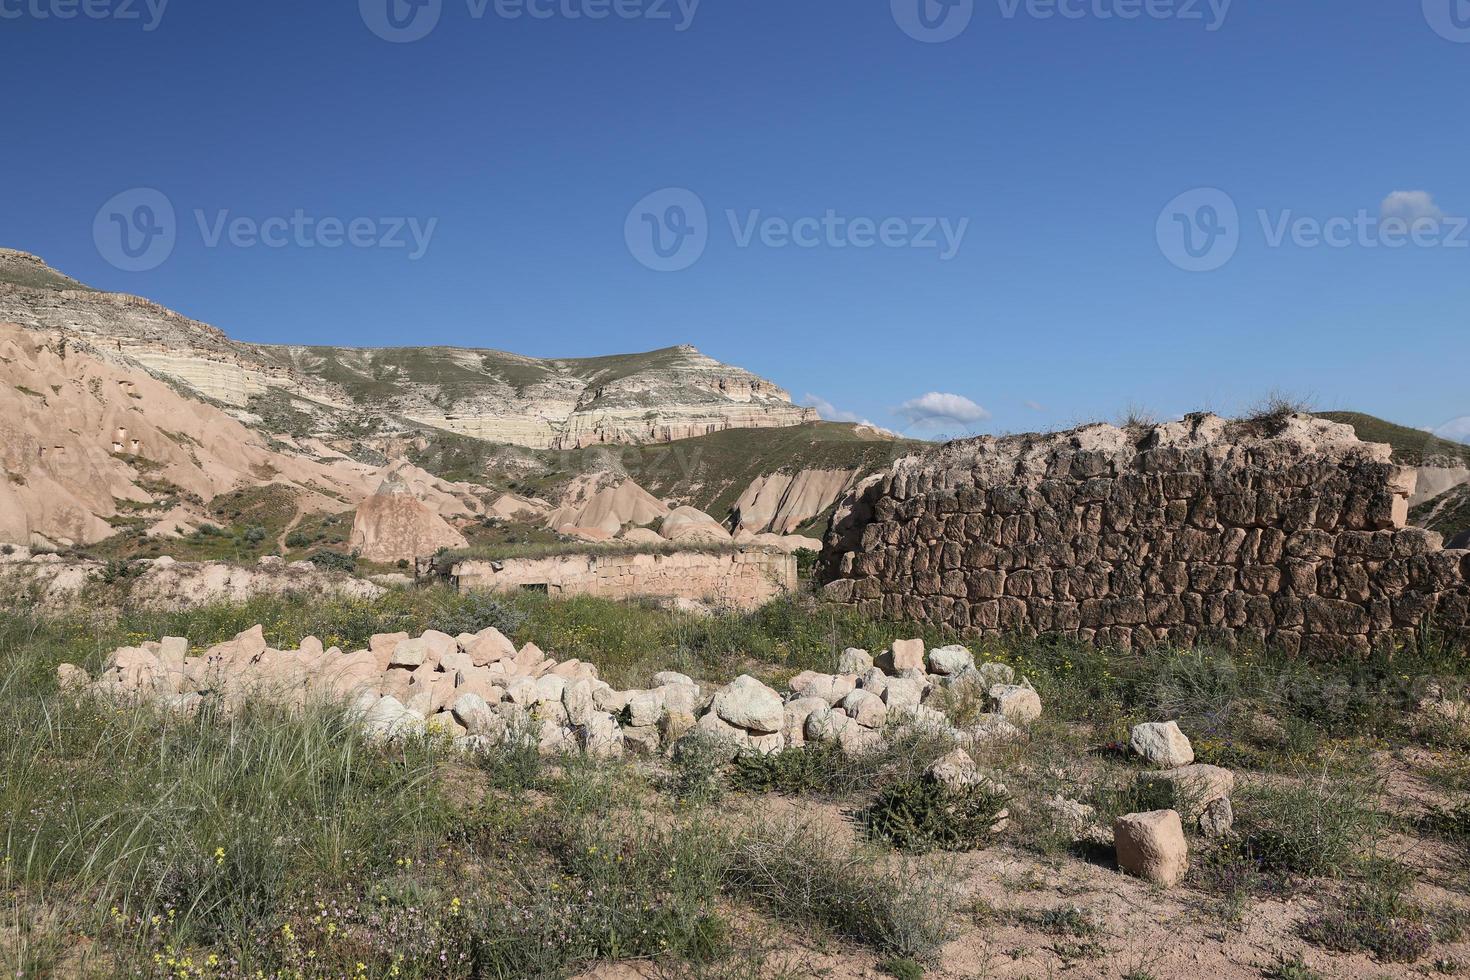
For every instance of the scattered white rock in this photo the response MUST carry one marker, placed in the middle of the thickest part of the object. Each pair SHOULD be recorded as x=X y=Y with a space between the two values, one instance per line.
x=749 y=704
x=950 y=661
x=1161 y=744
x=1018 y=703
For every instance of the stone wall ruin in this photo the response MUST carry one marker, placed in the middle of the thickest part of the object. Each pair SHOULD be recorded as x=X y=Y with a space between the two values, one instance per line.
x=742 y=578
x=1284 y=533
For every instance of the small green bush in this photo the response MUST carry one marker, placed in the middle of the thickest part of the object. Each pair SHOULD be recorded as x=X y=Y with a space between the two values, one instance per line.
x=920 y=815
x=1373 y=920
x=697 y=765
x=817 y=767
x=1317 y=828
x=476 y=611
x=903 y=969
x=792 y=870
x=334 y=561
x=1451 y=823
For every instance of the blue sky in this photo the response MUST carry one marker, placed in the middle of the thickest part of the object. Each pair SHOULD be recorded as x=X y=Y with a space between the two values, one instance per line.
x=521 y=146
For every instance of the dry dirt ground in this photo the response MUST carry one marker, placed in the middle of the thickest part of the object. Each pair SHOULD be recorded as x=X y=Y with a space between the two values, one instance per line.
x=1018 y=909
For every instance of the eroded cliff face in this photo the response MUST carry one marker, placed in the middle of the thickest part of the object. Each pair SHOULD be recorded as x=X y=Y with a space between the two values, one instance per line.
x=659 y=396
x=86 y=436
x=1287 y=533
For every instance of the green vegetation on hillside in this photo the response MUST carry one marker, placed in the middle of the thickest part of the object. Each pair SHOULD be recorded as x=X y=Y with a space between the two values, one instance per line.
x=1411 y=447
x=18 y=271
x=1449 y=513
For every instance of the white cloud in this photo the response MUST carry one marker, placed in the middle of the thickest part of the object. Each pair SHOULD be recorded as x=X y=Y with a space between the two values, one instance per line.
x=1410 y=206
x=830 y=412
x=1456 y=429
x=937 y=408
x=1035 y=406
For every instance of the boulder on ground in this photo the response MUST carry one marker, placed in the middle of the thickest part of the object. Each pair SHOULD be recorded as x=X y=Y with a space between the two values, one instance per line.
x=854 y=661
x=950 y=661
x=901 y=656
x=1152 y=846
x=1218 y=818
x=955 y=771
x=865 y=708
x=831 y=688
x=749 y=704
x=1019 y=704
x=1188 y=789
x=992 y=728
x=1161 y=744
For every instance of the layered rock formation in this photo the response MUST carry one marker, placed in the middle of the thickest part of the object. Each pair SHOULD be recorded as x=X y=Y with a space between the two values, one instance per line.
x=660 y=396
x=1287 y=534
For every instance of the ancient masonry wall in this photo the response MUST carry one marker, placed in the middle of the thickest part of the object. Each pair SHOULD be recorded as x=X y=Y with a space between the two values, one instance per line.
x=1285 y=534
x=744 y=579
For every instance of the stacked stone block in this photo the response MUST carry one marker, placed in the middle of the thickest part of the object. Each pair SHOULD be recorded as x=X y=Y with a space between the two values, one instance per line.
x=1285 y=533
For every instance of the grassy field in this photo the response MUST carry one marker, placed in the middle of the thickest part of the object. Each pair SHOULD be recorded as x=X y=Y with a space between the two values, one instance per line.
x=284 y=845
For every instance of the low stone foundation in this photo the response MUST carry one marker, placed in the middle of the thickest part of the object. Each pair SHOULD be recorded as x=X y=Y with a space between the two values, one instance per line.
x=741 y=579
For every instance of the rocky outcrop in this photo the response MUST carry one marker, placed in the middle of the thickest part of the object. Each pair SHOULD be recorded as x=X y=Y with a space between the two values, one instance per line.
x=395 y=525
x=85 y=433
x=689 y=525
x=782 y=502
x=1437 y=480
x=1285 y=534
x=609 y=509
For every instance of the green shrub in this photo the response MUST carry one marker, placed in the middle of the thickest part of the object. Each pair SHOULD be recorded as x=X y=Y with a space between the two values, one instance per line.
x=792 y=870
x=472 y=612
x=903 y=969
x=1295 y=968
x=920 y=815
x=298 y=539
x=613 y=894
x=817 y=767
x=1451 y=822
x=1373 y=920
x=697 y=765
x=1317 y=828
x=334 y=561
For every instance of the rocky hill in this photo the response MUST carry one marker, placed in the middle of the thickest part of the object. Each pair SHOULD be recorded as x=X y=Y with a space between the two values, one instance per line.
x=653 y=397
x=133 y=431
